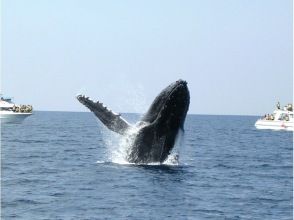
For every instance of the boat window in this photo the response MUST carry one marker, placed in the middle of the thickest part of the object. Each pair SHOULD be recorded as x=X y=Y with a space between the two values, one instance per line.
x=283 y=117
x=5 y=109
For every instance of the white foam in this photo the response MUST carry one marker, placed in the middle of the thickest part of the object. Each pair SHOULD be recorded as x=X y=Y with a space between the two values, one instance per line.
x=119 y=146
x=172 y=160
x=118 y=150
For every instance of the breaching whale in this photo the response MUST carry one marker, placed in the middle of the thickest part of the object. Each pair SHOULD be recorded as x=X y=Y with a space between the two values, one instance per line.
x=158 y=128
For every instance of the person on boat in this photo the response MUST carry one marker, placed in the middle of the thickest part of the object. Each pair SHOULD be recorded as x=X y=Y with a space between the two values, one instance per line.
x=287 y=117
x=289 y=107
x=278 y=105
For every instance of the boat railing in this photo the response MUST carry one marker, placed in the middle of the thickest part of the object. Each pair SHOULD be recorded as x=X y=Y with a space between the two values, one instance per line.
x=22 y=108
x=269 y=117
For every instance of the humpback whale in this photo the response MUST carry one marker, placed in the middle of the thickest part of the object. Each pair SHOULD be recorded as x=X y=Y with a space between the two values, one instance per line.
x=157 y=130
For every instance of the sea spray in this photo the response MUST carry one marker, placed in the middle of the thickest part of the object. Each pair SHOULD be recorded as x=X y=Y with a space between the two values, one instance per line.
x=120 y=148
x=173 y=158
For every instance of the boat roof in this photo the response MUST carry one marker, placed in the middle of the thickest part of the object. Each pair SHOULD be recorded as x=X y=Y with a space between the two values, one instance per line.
x=5 y=104
x=5 y=98
x=280 y=111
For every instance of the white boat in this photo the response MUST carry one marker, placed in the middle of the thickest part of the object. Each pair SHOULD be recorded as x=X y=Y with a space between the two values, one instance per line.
x=281 y=119
x=10 y=112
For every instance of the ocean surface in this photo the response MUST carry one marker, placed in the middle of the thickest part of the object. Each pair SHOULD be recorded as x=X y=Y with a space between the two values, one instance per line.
x=58 y=165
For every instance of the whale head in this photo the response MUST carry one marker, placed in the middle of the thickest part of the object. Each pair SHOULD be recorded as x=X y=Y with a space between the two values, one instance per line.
x=170 y=107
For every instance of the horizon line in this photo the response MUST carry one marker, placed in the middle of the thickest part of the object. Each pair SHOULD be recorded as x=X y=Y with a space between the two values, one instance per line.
x=143 y=113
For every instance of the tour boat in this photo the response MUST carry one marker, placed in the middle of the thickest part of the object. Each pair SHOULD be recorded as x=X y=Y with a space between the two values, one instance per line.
x=281 y=119
x=10 y=112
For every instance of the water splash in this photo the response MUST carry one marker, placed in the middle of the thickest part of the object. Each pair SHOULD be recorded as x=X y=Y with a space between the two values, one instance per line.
x=172 y=160
x=131 y=96
x=119 y=153
x=178 y=148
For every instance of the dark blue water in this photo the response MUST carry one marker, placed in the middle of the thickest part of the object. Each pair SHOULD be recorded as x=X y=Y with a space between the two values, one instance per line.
x=227 y=170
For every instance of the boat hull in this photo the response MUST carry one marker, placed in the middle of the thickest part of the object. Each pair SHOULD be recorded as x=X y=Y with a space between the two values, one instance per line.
x=274 y=125
x=12 y=117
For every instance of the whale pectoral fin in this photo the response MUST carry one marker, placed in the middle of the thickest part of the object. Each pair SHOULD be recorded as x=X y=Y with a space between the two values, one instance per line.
x=111 y=120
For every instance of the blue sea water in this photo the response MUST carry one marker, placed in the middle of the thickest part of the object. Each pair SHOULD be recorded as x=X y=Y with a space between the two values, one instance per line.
x=58 y=165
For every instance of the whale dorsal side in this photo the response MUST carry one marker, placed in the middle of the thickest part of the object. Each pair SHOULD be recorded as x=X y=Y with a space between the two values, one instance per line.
x=110 y=119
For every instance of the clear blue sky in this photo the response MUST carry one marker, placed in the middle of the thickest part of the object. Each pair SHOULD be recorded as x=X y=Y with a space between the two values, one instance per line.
x=235 y=54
